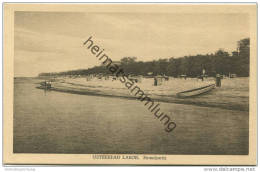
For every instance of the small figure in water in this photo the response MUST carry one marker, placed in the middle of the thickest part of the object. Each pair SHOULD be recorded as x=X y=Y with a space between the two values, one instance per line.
x=47 y=84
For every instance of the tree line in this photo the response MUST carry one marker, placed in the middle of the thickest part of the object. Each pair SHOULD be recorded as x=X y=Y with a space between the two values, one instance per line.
x=220 y=62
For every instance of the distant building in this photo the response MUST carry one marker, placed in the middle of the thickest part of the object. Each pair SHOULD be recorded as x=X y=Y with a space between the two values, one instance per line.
x=233 y=75
x=183 y=76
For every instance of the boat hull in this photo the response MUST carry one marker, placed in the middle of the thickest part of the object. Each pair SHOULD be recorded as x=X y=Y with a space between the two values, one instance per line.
x=196 y=92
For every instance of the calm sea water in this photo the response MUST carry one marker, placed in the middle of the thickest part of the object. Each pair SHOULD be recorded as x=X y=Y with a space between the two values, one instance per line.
x=55 y=122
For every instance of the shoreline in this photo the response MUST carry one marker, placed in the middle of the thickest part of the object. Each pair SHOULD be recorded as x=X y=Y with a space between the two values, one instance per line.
x=166 y=99
x=72 y=118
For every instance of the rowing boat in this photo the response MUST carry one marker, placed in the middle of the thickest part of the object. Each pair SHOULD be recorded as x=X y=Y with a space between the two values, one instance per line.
x=196 y=92
x=45 y=84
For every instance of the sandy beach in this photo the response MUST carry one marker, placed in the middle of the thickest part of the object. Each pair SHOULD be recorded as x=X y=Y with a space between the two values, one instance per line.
x=226 y=96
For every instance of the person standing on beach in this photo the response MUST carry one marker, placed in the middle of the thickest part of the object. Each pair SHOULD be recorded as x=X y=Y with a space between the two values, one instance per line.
x=218 y=80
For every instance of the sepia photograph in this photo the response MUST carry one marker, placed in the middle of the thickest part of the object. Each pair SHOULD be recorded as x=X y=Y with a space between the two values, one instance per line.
x=130 y=84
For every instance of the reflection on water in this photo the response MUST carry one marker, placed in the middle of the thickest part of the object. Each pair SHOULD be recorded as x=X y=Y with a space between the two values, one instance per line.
x=55 y=122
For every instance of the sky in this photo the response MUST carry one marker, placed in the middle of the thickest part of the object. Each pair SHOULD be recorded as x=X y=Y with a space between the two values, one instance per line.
x=53 y=41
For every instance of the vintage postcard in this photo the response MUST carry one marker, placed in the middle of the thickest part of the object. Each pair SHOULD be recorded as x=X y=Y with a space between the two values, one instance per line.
x=150 y=84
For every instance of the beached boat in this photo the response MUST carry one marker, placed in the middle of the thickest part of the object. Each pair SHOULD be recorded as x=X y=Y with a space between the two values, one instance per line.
x=196 y=92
